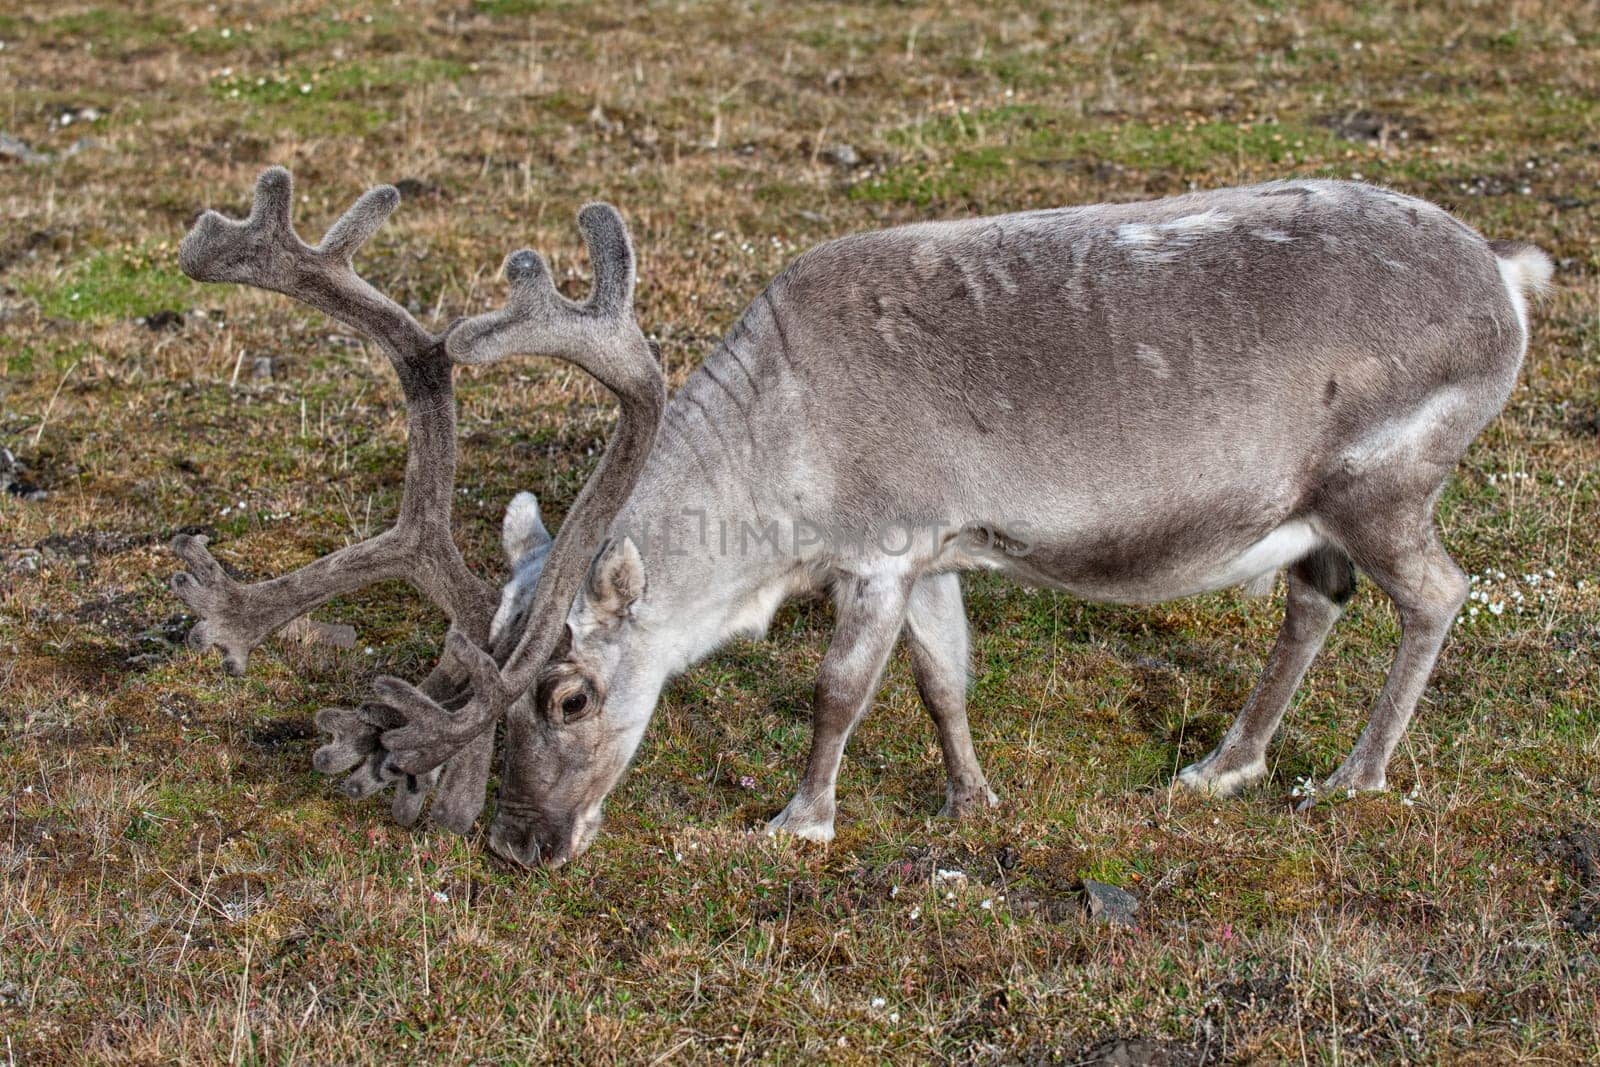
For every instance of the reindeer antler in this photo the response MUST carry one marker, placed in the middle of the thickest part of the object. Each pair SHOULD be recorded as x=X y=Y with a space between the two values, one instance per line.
x=264 y=251
x=601 y=336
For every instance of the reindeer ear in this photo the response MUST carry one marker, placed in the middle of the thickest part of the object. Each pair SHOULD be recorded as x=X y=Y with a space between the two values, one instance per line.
x=523 y=531
x=616 y=581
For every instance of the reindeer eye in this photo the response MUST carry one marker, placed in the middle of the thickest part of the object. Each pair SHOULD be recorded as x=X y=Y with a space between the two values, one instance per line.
x=574 y=704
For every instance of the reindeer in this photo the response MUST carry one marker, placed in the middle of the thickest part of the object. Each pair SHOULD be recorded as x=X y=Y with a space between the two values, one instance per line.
x=599 y=335
x=1130 y=402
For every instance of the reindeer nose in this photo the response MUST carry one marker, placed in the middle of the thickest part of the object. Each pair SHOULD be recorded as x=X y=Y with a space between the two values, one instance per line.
x=518 y=844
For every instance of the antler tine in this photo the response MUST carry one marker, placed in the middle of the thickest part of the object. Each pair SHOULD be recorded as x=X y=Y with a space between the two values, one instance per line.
x=264 y=251
x=611 y=252
x=600 y=335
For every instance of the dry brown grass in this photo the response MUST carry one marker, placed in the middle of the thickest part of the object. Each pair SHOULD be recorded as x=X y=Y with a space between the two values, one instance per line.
x=177 y=884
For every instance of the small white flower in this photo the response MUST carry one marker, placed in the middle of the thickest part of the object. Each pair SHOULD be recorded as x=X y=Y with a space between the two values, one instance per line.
x=305 y=87
x=878 y=1002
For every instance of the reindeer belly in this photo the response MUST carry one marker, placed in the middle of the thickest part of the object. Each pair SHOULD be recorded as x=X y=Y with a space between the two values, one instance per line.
x=1162 y=558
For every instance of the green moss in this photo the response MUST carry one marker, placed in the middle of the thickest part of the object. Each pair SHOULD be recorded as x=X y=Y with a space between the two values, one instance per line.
x=969 y=150
x=345 y=98
x=116 y=284
x=115 y=27
x=296 y=37
x=507 y=8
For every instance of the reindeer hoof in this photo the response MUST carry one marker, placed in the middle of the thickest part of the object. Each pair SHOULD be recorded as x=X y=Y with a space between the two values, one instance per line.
x=959 y=803
x=1348 y=781
x=1207 y=778
x=803 y=820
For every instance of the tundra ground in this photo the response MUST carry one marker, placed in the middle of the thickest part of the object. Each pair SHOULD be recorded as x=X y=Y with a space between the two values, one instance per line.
x=176 y=883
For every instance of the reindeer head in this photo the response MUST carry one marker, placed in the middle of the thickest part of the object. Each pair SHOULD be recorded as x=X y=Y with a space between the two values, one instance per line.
x=573 y=736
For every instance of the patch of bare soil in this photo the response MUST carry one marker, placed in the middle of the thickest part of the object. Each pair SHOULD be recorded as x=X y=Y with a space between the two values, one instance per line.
x=1375 y=127
x=1576 y=852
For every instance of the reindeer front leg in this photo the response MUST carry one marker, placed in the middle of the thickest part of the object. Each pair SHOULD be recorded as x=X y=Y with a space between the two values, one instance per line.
x=869 y=613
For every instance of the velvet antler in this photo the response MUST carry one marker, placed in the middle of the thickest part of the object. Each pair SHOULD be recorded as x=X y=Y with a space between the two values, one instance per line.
x=264 y=251
x=601 y=336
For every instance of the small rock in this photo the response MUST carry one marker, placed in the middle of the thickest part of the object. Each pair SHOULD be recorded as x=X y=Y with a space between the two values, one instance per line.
x=12 y=481
x=165 y=319
x=841 y=155
x=1109 y=904
x=23 y=561
x=1131 y=1052
x=68 y=115
x=11 y=148
x=82 y=144
x=261 y=368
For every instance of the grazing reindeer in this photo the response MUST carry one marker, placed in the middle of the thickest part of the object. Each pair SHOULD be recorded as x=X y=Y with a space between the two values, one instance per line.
x=599 y=335
x=1130 y=402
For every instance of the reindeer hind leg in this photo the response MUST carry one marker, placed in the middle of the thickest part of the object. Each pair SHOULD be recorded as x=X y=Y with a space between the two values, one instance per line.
x=936 y=634
x=1319 y=586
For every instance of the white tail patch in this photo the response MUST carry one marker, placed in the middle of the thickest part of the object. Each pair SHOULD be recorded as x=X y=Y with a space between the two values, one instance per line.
x=1524 y=270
